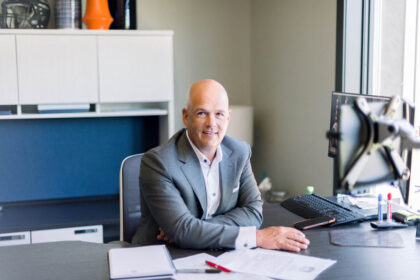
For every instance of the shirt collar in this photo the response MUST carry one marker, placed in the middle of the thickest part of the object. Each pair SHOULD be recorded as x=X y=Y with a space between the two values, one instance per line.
x=201 y=157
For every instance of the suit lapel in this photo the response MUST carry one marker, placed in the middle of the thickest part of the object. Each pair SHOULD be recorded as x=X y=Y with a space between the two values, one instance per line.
x=192 y=171
x=227 y=178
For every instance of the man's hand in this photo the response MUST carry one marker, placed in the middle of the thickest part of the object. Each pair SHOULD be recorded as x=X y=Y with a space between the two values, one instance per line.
x=284 y=238
x=162 y=236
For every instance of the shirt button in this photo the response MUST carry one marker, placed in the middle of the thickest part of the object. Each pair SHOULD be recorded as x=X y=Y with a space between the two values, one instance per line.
x=205 y=160
x=246 y=245
x=214 y=194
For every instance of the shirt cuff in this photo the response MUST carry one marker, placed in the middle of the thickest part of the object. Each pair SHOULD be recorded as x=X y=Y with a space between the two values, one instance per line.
x=247 y=238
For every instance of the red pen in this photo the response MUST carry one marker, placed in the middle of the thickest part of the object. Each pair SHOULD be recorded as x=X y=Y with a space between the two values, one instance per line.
x=212 y=264
x=389 y=208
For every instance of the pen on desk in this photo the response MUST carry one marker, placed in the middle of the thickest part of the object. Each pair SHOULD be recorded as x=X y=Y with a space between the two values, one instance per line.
x=389 y=208
x=198 y=271
x=380 y=215
x=212 y=264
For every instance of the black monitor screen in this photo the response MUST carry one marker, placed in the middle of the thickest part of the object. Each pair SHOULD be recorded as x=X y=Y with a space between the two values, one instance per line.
x=43 y=159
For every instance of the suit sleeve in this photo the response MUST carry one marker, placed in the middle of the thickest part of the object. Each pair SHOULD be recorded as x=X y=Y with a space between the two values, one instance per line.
x=248 y=211
x=170 y=212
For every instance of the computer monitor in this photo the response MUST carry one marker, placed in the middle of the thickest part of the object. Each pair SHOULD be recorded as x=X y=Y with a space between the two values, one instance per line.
x=357 y=165
x=342 y=98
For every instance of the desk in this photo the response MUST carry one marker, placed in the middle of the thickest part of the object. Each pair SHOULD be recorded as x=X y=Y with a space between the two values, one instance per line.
x=63 y=214
x=79 y=260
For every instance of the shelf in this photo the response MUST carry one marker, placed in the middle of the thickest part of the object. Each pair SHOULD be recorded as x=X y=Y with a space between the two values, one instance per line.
x=134 y=113
x=87 y=32
x=64 y=67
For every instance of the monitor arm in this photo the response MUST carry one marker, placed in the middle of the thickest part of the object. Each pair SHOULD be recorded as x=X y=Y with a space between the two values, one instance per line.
x=382 y=131
x=352 y=173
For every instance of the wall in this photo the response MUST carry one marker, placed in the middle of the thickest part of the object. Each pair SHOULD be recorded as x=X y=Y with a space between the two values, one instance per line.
x=293 y=64
x=277 y=55
x=212 y=40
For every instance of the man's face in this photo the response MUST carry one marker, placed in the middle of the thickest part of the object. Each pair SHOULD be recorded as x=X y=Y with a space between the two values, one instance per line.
x=207 y=118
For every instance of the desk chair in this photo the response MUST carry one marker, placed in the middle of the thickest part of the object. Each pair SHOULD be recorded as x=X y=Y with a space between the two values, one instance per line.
x=129 y=197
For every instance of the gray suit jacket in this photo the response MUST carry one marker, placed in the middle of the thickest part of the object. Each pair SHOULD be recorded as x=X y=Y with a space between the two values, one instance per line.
x=173 y=195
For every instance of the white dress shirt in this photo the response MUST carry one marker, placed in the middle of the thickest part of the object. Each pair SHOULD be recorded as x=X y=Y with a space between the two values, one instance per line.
x=247 y=235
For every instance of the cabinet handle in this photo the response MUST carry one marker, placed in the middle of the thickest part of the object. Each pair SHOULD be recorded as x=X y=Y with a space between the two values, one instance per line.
x=12 y=237
x=83 y=231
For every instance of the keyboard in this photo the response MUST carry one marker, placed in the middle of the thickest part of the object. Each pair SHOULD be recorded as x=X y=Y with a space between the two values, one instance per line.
x=311 y=205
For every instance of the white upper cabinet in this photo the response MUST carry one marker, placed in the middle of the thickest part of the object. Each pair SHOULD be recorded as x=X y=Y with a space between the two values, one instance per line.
x=8 y=78
x=135 y=68
x=57 y=69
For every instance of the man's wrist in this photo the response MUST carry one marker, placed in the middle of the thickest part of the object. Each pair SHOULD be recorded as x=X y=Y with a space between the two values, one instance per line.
x=246 y=238
x=258 y=237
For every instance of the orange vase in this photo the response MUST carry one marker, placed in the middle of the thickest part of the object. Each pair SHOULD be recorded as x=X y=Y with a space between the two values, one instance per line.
x=97 y=15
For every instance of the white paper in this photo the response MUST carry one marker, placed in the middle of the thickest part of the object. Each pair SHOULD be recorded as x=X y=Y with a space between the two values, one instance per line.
x=142 y=261
x=364 y=202
x=274 y=264
x=199 y=262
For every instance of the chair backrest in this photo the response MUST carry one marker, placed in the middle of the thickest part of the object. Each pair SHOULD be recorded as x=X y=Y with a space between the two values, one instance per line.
x=129 y=197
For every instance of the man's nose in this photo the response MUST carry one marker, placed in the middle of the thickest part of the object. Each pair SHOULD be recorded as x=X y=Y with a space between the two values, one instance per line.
x=210 y=121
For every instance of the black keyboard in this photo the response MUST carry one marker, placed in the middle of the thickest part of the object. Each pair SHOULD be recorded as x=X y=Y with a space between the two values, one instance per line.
x=311 y=205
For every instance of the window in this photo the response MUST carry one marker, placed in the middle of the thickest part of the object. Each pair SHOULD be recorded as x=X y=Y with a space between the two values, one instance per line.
x=380 y=55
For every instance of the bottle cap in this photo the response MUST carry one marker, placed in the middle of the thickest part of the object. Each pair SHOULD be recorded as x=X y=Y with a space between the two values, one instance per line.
x=309 y=190
x=263 y=175
x=389 y=196
x=380 y=197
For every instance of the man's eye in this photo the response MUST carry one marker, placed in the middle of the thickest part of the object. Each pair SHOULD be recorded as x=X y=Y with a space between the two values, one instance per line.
x=201 y=114
x=220 y=115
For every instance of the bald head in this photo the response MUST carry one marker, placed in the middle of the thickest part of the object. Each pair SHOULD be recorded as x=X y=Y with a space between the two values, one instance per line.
x=207 y=89
x=207 y=115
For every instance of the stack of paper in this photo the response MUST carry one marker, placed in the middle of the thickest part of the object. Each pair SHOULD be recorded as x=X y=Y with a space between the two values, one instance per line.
x=274 y=264
x=140 y=262
x=258 y=264
x=199 y=262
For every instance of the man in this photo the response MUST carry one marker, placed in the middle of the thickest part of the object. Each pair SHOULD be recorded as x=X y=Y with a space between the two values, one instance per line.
x=198 y=189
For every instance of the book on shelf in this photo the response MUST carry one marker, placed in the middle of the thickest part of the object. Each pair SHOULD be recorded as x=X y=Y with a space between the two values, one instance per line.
x=140 y=262
x=63 y=108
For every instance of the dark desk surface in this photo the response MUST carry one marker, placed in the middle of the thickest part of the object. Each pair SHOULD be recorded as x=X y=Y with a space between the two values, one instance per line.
x=80 y=260
x=355 y=262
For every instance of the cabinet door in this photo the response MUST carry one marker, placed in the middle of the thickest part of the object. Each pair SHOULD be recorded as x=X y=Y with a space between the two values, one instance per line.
x=8 y=74
x=57 y=69
x=135 y=68
x=87 y=233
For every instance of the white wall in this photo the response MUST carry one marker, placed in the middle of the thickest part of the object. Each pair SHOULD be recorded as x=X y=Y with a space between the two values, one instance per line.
x=277 y=55
x=212 y=40
x=293 y=70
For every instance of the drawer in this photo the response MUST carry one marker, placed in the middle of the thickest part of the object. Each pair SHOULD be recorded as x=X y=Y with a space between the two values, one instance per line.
x=15 y=238
x=86 y=233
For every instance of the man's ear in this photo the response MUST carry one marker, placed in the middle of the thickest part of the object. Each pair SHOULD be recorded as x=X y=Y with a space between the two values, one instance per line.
x=185 y=116
x=228 y=116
